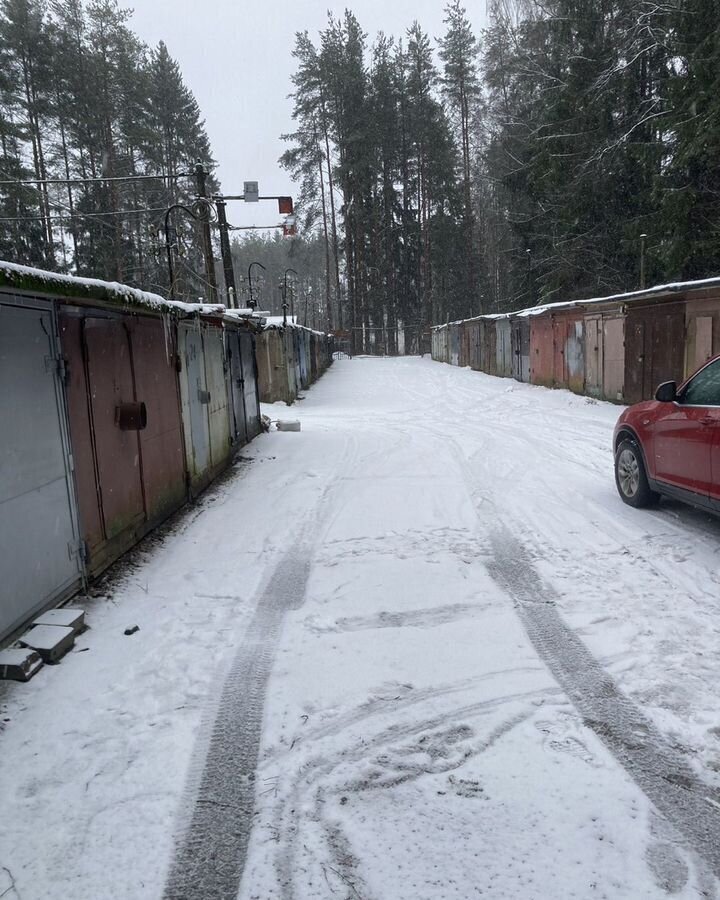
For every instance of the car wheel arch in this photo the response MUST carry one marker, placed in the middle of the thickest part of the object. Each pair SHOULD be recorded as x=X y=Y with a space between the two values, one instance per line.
x=627 y=432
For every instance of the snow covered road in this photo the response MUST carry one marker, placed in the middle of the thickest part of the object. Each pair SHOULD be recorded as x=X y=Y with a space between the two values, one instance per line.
x=420 y=650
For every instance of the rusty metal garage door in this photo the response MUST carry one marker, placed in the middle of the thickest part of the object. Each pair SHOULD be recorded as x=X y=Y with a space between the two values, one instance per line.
x=110 y=373
x=655 y=349
x=39 y=558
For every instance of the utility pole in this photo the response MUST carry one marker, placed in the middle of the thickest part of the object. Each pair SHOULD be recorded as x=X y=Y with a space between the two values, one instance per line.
x=200 y=175
x=225 y=250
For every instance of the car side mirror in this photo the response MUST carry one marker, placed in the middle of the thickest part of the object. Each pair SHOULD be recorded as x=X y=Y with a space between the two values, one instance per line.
x=667 y=392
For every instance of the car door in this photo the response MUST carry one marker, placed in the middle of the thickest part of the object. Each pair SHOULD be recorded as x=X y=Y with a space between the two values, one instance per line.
x=685 y=432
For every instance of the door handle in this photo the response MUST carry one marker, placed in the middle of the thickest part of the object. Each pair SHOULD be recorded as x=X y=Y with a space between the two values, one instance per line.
x=710 y=421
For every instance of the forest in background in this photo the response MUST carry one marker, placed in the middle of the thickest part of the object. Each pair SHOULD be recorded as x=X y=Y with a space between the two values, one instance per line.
x=81 y=97
x=532 y=163
x=438 y=176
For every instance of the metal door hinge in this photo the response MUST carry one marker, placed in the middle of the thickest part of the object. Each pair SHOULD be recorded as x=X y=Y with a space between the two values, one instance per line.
x=56 y=365
x=78 y=550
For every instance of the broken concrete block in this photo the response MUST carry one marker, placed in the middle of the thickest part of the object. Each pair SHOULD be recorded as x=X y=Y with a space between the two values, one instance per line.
x=52 y=642
x=69 y=617
x=288 y=425
x=19 y=663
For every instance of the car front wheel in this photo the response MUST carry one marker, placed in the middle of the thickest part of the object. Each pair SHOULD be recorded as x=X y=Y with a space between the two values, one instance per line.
x=631 y=477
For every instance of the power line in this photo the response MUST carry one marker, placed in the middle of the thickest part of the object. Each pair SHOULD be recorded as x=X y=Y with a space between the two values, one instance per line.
x=32 y=182
x=253 y=227
x=75 y=215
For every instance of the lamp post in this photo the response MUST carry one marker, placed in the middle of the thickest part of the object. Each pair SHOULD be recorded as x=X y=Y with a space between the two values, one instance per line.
x=292 y=304
x=252 y=301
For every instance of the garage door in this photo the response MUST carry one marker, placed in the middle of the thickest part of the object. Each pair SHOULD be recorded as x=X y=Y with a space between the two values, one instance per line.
x=38 y=536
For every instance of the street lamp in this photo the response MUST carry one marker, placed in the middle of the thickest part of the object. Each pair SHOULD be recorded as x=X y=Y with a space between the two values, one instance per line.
x=251 y=301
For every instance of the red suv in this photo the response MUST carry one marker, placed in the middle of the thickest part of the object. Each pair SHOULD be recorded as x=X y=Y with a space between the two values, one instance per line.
x=671 y=445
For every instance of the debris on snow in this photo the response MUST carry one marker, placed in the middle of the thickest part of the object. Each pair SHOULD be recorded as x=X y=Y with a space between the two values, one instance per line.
x=19 y=664
x=288 y=425
x=52 y=642
x=69 y=617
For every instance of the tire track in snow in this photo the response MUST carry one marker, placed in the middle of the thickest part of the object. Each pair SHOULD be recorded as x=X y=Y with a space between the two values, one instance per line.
x=210 y=855
x=211 y=851
x=655 y=765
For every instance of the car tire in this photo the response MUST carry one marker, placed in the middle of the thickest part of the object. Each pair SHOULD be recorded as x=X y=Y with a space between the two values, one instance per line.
x=631 y=477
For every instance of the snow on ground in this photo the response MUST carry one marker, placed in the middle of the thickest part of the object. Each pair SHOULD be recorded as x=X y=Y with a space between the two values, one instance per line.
x=414 y=743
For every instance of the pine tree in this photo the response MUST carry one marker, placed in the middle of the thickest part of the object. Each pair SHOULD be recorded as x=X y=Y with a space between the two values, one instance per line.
x=23 y=29
x=689 y=186
x=461 y=89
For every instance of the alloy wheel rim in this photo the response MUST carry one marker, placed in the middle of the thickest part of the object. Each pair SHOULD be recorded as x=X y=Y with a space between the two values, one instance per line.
x=628 y=473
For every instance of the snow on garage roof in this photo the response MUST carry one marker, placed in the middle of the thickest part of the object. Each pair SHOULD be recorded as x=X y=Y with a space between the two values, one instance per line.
x=27 y=278
x=659 y=290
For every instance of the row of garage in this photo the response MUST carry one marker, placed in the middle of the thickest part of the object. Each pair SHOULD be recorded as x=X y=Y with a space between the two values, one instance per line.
x=116 y=408
x=290 y=358
x=616 y=348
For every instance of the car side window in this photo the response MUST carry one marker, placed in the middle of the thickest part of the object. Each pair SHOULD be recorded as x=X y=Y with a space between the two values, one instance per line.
x=704 y=389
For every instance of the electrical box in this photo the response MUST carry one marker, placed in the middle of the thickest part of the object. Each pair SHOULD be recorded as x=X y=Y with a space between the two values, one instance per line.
x=251 y=191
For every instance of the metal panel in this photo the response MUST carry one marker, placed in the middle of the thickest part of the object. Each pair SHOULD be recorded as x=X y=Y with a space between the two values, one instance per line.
x=454 y=345
x=703 y=341
x=593 y=356
x=637 y=352
x=541 y=350
x=569 y=352
x=655 y=348
x=289 y=363
x=38 y=533
x=265 y=364
x=465 y=331
x=489 y=351
x=516 y=338
x=77 y=393
x=613 y=357
x=252 y=405
x=193 y=390
x=560 y=334
x=668 y=346
x=161 y=442
x=296 y=350
x=314 y=343
x=304 y=341
x=117 y=452
x=232 y=340
x=503 y=348
x=525 y=349
x=218 y=411
x=703 y=307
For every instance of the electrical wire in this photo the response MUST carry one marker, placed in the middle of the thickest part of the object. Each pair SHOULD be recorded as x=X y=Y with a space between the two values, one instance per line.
x=32 y=182
x=74 y=215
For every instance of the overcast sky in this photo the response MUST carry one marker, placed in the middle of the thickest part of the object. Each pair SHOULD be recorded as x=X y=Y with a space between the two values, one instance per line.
x=235 y=57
